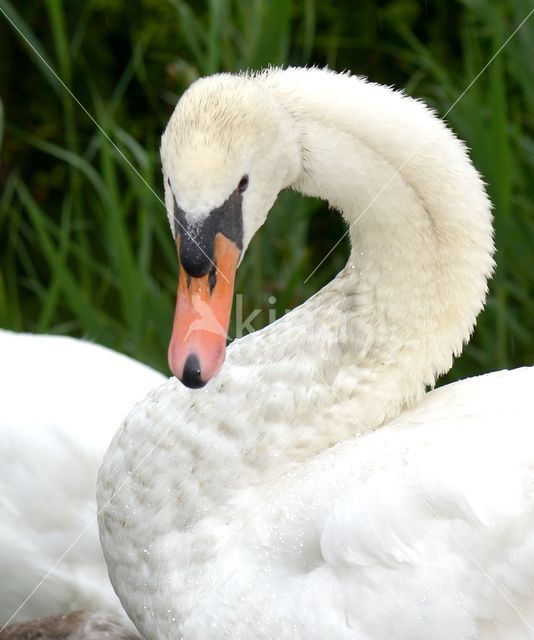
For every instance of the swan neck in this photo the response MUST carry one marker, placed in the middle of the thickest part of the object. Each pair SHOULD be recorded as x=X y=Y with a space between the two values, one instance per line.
x=420 y=228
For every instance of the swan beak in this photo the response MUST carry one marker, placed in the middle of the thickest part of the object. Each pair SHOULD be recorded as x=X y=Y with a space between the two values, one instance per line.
x=202 y=316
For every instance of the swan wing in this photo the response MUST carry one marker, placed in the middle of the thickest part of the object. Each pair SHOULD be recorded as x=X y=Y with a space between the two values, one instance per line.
x=62 y=399
x=434 y=535
x=421 y=529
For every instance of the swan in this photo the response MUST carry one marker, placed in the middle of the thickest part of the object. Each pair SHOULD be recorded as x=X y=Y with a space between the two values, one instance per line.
x=309 y=488
x=61 y=401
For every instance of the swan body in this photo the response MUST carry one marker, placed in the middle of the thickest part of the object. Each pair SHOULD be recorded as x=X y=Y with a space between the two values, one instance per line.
x=269 y=504
x=61 y=400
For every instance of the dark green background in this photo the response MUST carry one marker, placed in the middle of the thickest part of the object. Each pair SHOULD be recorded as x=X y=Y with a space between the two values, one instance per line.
x=84 y=243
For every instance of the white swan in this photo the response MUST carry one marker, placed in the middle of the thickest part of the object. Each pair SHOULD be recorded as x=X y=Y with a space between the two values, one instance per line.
x=268 y=504
x=61 y=400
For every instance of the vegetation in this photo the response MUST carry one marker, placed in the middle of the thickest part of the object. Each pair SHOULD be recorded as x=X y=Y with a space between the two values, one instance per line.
x=85 y=245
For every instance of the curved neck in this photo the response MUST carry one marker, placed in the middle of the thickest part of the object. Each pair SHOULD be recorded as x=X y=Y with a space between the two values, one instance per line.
x=364 y=347
x=419 y=223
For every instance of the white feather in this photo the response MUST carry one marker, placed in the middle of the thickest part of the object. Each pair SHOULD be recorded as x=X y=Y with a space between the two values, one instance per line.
x=61 y=401
x=311 y=490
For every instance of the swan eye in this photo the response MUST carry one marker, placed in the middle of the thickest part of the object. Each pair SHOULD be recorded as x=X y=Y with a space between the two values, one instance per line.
x=243 y=184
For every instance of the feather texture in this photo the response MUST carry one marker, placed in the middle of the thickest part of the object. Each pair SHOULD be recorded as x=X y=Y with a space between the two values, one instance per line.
x=62 y=399
x=312 y=490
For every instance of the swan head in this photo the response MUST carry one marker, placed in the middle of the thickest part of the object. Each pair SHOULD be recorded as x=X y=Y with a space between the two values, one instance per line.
x=227 y=151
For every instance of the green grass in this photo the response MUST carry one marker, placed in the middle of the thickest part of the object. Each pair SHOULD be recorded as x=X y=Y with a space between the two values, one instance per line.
x=86 y=248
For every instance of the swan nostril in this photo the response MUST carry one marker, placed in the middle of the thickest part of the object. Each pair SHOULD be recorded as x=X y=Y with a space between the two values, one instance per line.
x=191 y=375
x=212 y=279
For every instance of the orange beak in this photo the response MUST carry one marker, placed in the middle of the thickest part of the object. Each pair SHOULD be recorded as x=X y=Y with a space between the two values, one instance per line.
x=202 y=316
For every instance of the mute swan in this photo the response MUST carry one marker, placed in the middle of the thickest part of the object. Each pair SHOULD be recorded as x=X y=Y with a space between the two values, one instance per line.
x=268 y=504
x=61 y=400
